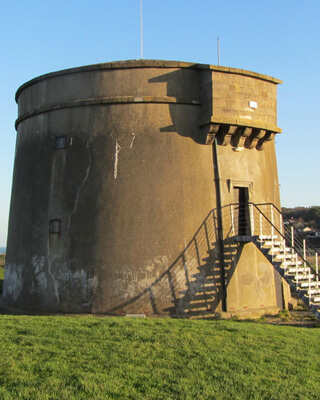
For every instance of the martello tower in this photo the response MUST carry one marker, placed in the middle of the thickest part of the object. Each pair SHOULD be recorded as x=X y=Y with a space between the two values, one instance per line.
x=123 y=176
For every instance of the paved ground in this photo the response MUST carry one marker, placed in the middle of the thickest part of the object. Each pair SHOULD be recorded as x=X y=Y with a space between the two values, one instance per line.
x=300 y=318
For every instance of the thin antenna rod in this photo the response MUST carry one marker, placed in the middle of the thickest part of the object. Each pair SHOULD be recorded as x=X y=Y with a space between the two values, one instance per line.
x=141 y=29
x=218 y=44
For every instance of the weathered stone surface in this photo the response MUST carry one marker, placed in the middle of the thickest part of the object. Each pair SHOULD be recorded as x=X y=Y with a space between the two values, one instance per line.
x=132 y=193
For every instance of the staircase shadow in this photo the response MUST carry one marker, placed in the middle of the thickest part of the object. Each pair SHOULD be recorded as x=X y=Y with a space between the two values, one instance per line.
x=192 y=285
x=204 y=291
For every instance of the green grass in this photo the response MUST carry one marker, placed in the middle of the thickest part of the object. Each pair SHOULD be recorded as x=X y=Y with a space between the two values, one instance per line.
x=119 y=358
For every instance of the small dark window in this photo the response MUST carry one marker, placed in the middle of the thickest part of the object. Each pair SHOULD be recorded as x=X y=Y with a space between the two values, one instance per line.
x=55 y=226
x=60 y=142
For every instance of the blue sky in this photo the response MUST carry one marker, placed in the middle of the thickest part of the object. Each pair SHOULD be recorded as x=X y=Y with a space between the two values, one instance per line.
x=280 y=38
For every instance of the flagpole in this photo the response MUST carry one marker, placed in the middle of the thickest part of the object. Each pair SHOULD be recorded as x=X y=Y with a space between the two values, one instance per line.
x=141 y=29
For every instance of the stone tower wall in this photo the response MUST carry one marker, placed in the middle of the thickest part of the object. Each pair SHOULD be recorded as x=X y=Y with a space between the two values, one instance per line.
x=114 y=192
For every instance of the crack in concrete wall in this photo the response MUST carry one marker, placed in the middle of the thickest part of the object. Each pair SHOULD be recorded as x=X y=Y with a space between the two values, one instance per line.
x=80 y=187
x=116 y=159
x=117 y=151
x=132 y=140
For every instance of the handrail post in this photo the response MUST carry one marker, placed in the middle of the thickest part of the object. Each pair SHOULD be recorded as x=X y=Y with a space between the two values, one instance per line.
x=272 y=222
x=281 y=224
x=309 y=297
x=260 y=227
x=304 y=253
x=292 y=239
x=252 y=220
x=297 y=278
x=284 y=257
x=317 y=267
x=232 y=220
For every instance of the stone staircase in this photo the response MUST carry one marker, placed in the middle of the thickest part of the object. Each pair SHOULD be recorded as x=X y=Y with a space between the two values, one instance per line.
x=296 y=260
x=300 y=276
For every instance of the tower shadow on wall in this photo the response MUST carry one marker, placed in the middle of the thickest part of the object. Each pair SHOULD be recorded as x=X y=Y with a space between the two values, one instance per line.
x=193 y=280
x=195 y=98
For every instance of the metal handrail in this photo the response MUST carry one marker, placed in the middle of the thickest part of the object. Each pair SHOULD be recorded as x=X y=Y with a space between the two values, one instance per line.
x=301 y=245
x=278 y=229
x=297 y=233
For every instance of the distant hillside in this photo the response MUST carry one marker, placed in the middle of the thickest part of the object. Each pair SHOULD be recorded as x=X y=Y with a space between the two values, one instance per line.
x=308 y=215
x=2 y=250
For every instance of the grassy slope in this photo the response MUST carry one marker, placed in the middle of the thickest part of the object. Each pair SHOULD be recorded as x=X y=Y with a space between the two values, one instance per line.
x=120 y=358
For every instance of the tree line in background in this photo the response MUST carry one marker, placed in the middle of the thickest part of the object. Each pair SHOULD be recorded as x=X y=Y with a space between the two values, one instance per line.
x=303 y=216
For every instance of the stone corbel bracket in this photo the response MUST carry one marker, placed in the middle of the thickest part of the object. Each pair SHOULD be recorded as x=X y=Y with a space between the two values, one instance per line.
x=238 y=133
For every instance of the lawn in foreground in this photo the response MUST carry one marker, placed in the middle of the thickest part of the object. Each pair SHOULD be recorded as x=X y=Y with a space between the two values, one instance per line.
x=60 y=357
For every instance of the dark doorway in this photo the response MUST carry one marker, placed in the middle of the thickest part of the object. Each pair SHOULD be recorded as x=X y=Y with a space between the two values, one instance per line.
x=241 y=198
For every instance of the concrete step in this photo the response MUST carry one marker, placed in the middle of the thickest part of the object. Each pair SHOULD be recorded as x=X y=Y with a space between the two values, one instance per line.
x=297 y=270
x=306 y=284
x=294 y=263
x=274 y=243
x=316 y=299
x=313 y=291
x=288 y=250
x=283 y=256
x=303 y=277
x=268 y=237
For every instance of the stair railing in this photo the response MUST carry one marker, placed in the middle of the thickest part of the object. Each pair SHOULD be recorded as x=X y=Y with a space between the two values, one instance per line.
x=298 y=247
x=266 y=221
x=294 y=238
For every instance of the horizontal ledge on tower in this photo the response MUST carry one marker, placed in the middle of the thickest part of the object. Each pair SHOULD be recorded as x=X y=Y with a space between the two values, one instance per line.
x=107 y=101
